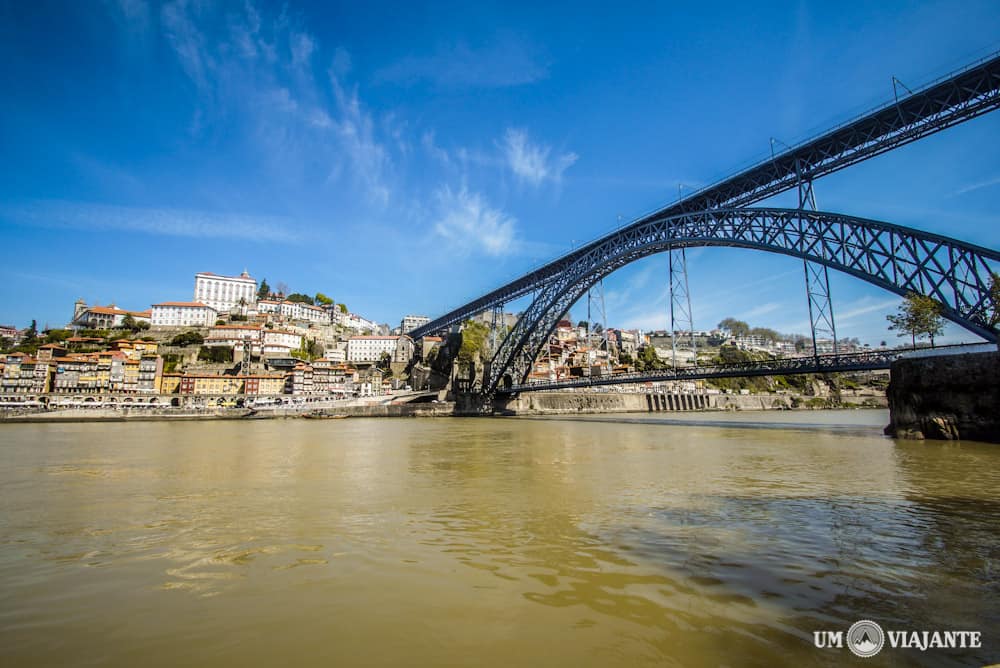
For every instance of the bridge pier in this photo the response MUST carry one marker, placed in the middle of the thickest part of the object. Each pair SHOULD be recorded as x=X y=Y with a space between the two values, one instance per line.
x=946 y=397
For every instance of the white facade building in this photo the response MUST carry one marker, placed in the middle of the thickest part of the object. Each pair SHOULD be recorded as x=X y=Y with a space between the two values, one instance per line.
x=262 y=341
x=411 y=322
x=294 y=310
x=182 y=314
x=357 y=323
x=234 y=336
x=224 y=292
x=336 y=355
x=279 y=337
x=370 y=348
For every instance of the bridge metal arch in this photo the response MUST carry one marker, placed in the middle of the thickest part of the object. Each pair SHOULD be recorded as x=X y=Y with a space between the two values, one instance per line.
x=893 y=257
x=958 y=97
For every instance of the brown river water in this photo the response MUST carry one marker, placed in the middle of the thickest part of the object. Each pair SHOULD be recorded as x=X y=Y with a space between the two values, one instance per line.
x=689 y=540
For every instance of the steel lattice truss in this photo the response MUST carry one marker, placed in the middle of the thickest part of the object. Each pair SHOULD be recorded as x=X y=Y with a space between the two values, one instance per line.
x=959 y=97
x=896 y=258
x=865 y=361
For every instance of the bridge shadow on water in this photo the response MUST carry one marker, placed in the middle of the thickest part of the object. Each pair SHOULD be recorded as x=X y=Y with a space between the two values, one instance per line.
x=730 y=579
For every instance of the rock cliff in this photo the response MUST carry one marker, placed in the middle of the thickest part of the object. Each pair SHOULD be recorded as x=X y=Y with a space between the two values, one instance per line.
x=948 y=397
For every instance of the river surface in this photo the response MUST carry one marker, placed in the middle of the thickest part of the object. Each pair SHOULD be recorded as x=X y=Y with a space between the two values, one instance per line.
x=668 y=540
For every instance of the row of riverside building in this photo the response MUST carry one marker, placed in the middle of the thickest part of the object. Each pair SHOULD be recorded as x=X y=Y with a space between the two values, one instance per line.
x=134 y=367
x=268 y=329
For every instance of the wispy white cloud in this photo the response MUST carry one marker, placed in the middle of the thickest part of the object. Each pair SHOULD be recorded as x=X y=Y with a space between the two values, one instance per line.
x=848 y=313
x=469 y=224
x=156 y=221
x=367 y=157
x=979 y=185
x=134 y=15
x=533 y=163
x=181 y=31
x=506 y=62
x=866 y=306
x=428 y=140
x=760 y=310
x=652 y=312
x=260 y=72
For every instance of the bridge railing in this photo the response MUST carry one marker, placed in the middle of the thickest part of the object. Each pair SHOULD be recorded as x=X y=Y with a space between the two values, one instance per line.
x=859 y=361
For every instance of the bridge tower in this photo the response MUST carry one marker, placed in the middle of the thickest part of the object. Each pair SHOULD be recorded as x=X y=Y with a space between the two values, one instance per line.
x=496 y=324
x=680 y=301
x=821 y=320
x=595 y=304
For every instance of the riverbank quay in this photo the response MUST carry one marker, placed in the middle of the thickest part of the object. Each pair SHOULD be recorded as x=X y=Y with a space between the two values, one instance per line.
x=946 y=398
x=535 y=403
x=176 y=414
x=563 y=403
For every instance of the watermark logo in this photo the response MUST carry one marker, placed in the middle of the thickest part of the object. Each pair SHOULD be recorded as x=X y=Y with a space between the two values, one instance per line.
x=865 y=638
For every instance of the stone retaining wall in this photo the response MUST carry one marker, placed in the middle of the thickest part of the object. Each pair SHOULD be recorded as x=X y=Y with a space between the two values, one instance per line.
x=557 y=403
x=947 y=397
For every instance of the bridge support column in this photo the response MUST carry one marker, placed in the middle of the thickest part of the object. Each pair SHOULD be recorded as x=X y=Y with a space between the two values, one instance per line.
x=821 y=321
x=680 y=301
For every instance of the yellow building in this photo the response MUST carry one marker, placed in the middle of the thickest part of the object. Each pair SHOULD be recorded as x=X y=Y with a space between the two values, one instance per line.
x=210 y=384
x=264 y=384
x=131 y=382
x=170 y=383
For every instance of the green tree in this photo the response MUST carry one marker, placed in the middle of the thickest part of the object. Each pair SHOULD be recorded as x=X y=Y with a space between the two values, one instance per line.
x=385 y=360
x=993 y=306
x=918 y=315
x=766 y=334
x=343 y=308
x=733 y=355
x=128 y=322
x=734 y=326
x=57 y=335
x=216 y=354
x=583 y=323
x=300 y=298
x=187 y=338
x=321 y=299
x=32 y=333
x=473 y=339
x=994 y=301
x=170 y=363
x=310 y=350
x=264 y=290
x=648 y=359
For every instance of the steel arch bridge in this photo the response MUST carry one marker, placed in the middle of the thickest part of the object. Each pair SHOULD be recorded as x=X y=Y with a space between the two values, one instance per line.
x=895 y=258
x=951 y=100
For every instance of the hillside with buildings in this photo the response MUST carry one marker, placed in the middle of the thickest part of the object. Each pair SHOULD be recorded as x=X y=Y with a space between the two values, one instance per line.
x=234 y=337
x=238 y=337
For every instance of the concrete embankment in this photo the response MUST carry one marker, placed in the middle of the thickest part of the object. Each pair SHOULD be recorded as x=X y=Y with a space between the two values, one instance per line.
x=948 y=397
x=168 y=414
x=560 y=403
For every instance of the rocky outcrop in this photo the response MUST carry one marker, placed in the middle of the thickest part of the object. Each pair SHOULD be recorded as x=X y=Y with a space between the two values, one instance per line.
x=949 y=397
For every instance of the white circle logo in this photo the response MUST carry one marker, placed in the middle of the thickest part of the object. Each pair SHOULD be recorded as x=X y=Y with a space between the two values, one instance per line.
x=865 y=638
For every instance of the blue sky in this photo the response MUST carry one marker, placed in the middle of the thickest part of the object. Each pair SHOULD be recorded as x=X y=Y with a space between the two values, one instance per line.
x=406 y=158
